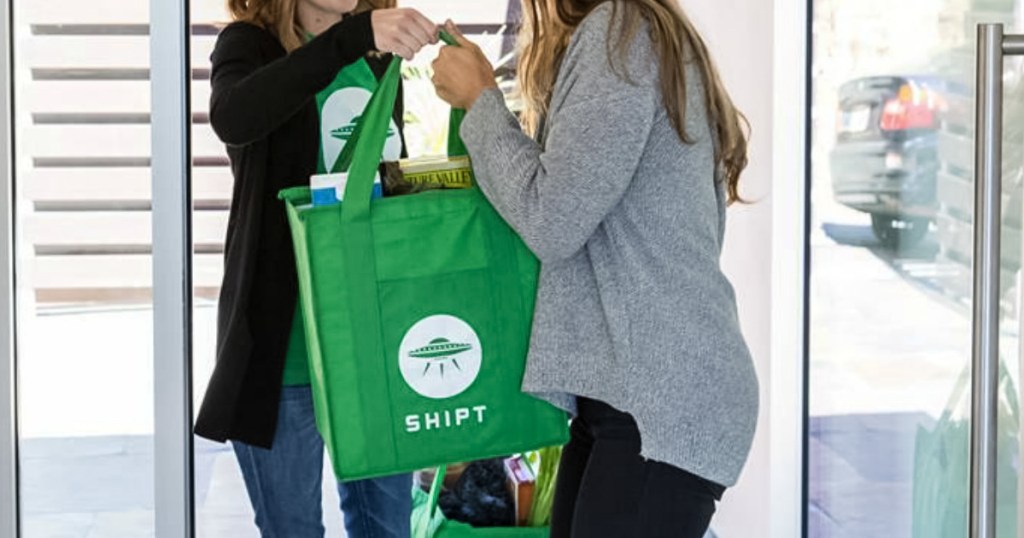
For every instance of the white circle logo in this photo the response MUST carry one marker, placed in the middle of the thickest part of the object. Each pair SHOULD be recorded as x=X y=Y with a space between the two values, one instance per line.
x=440 y=357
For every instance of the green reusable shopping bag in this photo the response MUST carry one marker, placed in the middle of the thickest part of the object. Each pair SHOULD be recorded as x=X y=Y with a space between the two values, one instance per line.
x=941 y=479
x=418 y=312
x=429 y=522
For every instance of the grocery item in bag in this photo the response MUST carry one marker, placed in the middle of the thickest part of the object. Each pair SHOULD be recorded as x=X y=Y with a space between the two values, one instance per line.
x=329 y=189
x=411 y=176
x=480 y=497
x=521 y=484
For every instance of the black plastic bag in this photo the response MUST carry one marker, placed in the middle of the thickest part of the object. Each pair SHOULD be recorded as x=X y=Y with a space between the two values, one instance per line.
x=481 y=497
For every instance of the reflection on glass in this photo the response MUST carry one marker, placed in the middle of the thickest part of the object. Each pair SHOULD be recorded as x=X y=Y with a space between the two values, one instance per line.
x=891 y=278
x=84 y=268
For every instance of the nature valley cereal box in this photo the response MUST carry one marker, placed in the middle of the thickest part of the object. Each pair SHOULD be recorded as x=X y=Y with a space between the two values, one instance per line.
x=438 y=172
x=411 y=176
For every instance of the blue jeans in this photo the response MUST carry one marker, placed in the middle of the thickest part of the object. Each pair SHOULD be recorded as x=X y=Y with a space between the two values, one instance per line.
x=284 y=483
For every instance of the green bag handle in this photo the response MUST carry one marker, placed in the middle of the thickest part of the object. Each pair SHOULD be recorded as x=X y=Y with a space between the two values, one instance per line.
x=435 y=490
x=361 y=155
x=344 y=160
x=367 y=145
x=456 y=147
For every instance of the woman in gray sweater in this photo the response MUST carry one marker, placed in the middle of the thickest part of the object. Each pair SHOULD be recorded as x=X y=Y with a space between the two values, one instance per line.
x=618 y=179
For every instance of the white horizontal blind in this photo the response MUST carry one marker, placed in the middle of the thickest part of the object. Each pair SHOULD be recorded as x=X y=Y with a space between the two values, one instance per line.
x=87 y=142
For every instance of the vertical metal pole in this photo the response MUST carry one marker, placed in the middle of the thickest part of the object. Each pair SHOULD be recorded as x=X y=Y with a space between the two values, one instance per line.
x=987 y=220
x=8 y=370
x=172 y=266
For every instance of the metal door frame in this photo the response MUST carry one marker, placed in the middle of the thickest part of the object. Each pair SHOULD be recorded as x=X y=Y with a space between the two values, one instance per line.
x=170 y=34
x=8 y=371
x=172 y=274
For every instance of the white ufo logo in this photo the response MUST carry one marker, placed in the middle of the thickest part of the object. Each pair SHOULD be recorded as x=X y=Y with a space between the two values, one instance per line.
x=439 y=351
x=440 y=356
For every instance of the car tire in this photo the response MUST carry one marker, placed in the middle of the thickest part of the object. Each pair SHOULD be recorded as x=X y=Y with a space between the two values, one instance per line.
x=899 y=234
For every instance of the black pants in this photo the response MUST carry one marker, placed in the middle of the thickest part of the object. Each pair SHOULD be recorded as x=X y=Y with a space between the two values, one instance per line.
x=606 y=490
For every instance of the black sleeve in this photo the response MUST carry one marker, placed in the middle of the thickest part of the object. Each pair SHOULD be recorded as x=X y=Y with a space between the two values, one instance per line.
x=400 y=118
x=250 y=100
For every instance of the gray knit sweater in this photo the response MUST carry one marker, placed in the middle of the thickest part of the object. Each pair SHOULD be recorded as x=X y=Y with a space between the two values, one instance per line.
x=628 y=222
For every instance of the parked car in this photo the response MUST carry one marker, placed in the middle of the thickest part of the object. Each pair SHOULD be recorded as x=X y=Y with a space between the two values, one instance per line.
x=955 y=182
x=885 y=158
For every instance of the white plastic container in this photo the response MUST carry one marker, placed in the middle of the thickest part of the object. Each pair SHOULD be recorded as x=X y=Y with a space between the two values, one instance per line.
x=329 y=189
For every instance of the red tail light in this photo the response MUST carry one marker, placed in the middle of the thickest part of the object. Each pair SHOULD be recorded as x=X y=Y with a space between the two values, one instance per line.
x=914 y=108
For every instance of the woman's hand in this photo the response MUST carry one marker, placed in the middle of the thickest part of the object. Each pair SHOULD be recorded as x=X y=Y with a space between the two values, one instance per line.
x=402 y=31
x=462 y=73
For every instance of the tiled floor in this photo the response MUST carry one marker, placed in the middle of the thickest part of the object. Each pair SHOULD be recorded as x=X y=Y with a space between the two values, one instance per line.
x=86 y=452
x=863 y=469
x=97 y=487
x=102 y=487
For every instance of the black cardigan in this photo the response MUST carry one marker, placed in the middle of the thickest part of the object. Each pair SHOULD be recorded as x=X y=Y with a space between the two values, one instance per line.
x=263 y=107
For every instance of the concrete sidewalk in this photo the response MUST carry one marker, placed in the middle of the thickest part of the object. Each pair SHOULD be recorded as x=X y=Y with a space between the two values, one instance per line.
x=86 y=448
x=102 y=487
x=86 y=420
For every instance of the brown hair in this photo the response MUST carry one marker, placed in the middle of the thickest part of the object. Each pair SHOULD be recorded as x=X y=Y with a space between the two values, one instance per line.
x=545 y=36
x=280 y=17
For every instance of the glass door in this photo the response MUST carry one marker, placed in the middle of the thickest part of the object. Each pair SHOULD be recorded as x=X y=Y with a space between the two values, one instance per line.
x=891 y=276
x=83 y=265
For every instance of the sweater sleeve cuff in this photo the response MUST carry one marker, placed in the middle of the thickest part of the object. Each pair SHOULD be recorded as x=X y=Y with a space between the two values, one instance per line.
x=483 y=117
x=486 y=131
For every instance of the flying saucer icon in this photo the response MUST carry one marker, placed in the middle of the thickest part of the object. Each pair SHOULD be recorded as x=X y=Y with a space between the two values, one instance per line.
x=439 y=352
x=346 y=132
x=446 y=366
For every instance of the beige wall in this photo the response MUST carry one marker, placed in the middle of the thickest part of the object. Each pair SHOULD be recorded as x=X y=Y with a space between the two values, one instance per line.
x=740 y=35
x=763 y=68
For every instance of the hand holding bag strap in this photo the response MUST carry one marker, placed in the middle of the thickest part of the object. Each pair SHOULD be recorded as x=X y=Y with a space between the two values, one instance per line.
x=456 y=147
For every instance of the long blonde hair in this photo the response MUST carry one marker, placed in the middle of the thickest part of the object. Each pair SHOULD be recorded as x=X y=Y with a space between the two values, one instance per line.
x=548 y=27
x=280 y=17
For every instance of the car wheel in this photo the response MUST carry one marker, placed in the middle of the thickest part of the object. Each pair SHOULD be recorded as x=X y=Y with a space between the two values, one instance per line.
x=899 y=234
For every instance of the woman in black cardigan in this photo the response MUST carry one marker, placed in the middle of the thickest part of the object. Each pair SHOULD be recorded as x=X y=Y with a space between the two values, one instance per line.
x=268 y=68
